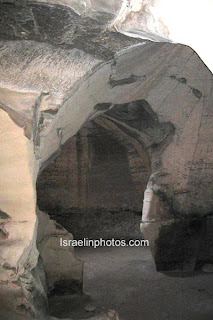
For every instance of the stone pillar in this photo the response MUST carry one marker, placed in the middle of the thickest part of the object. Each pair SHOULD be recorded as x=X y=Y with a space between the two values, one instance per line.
x=174 y=242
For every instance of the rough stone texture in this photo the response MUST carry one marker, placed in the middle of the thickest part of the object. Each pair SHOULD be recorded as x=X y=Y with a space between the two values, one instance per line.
x=111 y=315
x=21 y=291
x=127 y=280
x=96 y=224
x=157 y=20
x=73 y=184
x=98 y=152
x=64 y=272
x=208 y=268
x=62 y=27
x=61 y=67
x=72 y=191
x=176 y=177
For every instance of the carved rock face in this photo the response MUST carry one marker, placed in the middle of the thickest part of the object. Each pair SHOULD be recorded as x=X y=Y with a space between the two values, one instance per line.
x=62 y=63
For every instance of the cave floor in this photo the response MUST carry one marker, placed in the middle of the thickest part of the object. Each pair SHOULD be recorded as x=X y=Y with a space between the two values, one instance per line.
x=125 y=279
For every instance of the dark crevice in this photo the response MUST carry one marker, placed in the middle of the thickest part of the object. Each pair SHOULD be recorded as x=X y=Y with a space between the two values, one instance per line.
x=4 y=215
x=133 y=78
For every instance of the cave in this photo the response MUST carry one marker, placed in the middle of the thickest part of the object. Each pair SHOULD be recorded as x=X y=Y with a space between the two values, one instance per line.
x=95 y=187
x=106 y=132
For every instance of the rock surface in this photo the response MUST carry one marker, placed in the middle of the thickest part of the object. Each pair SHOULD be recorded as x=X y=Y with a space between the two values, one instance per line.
x=100 y=151
x=62 y=65
x=208 y=268
x=111 y=315
x=63 y=271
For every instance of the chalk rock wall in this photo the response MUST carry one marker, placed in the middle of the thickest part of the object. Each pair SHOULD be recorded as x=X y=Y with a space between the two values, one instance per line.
x=62 y=270
x=96 y=170
x=62 y=66
x=95 y=187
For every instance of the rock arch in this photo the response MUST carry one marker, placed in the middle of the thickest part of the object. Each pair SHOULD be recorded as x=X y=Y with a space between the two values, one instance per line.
x=48 y=92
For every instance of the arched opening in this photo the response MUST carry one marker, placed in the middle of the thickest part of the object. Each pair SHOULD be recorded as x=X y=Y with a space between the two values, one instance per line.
x=175 y=135
x=95 y=187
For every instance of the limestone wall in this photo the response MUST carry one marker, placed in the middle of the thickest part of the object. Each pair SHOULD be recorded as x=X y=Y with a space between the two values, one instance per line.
x=61 y=67
x=96 y=170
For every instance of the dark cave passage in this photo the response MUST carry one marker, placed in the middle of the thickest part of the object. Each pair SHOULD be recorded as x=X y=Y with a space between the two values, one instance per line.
x=95 y=187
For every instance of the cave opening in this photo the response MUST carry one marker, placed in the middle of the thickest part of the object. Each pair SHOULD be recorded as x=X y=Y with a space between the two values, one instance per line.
x=95 y=190
x=148 y=112
x=95 y=186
